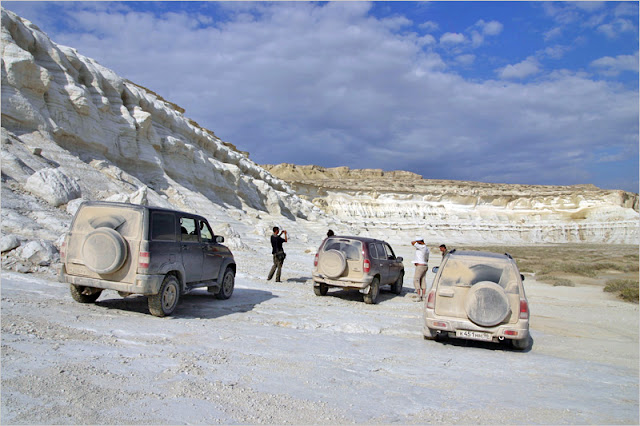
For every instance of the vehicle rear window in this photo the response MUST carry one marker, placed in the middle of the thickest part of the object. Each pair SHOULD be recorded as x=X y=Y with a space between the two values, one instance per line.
x=126 y=221
x=351 y=249
x=372 y=251
x=163 y=227
x=466 y=272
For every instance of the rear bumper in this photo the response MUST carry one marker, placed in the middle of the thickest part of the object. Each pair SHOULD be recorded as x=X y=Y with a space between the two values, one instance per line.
x=362 y=283
x=448 y=325
x=142 y=284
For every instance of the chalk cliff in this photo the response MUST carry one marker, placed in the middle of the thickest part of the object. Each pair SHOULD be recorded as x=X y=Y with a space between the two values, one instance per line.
x=467 y=212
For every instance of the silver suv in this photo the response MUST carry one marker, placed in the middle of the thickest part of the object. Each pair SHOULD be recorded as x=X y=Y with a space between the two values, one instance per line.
x=359 y=263
x=479 y=296
x=145 y=250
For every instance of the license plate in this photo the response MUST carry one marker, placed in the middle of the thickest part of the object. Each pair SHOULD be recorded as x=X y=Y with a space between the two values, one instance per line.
x=475 y=335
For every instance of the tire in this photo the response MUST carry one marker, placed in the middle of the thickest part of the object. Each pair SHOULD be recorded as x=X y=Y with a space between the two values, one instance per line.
x=104 y=251
x=228 y=283
x=396 y=287
x=164 y=303
x=332 y=263
x=428 y=333
x=371 y=298
x=487 y=304
x=76 y=294
x=321 y=290
x=521 y=344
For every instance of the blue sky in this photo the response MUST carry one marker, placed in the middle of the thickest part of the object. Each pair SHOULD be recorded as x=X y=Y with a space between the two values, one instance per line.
x=505 y=92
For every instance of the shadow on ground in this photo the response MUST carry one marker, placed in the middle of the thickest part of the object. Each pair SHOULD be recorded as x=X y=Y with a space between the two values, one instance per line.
x=355 y=296
x=197 y=304
x=504 y=345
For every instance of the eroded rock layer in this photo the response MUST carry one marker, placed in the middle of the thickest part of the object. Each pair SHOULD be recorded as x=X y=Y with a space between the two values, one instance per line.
x=461 y=211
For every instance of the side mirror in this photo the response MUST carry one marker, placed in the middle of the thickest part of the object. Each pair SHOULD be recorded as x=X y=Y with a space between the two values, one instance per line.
x=435 y=269
x=522 y=277
x=399 y=259
x=219 y=239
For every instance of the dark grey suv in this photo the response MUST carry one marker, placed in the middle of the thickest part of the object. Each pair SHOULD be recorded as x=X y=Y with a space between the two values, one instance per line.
x=136 y=249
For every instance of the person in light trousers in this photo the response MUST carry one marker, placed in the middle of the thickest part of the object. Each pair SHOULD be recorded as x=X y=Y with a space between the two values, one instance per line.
x=421 y=260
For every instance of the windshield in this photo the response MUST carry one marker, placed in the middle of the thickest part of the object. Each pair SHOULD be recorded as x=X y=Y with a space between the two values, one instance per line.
x=352 y=249
x=466 y=271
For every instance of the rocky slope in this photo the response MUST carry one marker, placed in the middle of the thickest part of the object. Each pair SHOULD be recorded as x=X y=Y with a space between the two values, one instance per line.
x=467 y=212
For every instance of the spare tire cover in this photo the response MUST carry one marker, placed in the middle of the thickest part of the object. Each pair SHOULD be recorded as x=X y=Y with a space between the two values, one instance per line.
x=332 y=263
x=487 y=304
x=104 y=250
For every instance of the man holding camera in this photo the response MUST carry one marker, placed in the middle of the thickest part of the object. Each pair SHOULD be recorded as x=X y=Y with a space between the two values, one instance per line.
x=278 y=252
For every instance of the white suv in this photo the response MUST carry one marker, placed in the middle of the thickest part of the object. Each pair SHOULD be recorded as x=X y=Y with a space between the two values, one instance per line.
x=479 y=296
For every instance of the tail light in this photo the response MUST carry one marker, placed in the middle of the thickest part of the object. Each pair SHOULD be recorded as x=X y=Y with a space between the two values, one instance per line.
x=524 y=309
x=143 y=260
x=366 y=266
x=431 y=299
x=315 y=261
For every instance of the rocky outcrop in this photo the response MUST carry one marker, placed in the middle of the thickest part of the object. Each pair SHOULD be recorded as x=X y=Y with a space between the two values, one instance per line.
x=467 y=212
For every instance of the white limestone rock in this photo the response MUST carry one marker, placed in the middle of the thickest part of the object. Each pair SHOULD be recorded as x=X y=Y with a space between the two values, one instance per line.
x=39 y=252
x=54 y=186
x=8 y=243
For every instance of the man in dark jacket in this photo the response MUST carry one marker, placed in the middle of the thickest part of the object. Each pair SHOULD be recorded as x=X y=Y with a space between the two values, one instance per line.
x=278 y=252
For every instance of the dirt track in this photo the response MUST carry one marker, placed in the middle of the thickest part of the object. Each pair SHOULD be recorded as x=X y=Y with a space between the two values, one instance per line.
x=279 y=354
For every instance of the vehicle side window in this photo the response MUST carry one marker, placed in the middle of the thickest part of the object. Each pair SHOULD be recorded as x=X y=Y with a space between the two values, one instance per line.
x=188 y=230
x=372 y=251
x=389 y=250
x=163 y=226
x=205 y=232
x=381 y=252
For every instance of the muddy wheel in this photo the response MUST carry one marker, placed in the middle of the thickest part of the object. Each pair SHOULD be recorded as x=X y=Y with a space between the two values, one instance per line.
x=104 y=251
x=321 y=290
x=163 y=303
x=372 y=297
x=76 y=294
x=521 y=344
x=396 y=287
x=228 y=283
x=487 y=304
x=428 y=333
x=332 y=263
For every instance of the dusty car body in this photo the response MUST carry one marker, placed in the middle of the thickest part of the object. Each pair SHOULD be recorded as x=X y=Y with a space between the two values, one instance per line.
x=136 y=249
x=479 y=296
x=359 y=263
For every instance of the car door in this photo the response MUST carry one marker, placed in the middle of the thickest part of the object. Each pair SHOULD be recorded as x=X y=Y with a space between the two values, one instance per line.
x=213 y=252
x=383 y=263
x=191 y=249
x=394 y=266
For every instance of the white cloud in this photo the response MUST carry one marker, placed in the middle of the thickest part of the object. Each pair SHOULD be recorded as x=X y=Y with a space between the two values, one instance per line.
x=556 y=52
x=614 y=66
x=452 y=38
x=617 y=27
x=526 y=68
x=553 y=33
x=429 y=26
x=490 y=28
x=465 y=59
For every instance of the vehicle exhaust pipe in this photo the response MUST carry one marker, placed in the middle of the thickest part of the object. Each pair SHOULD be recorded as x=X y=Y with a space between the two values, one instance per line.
x=501 y=338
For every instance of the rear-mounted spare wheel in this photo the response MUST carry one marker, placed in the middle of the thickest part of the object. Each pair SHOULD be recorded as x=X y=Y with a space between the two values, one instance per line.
x=487 y=304
x=104 y=251
x=332 y=263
